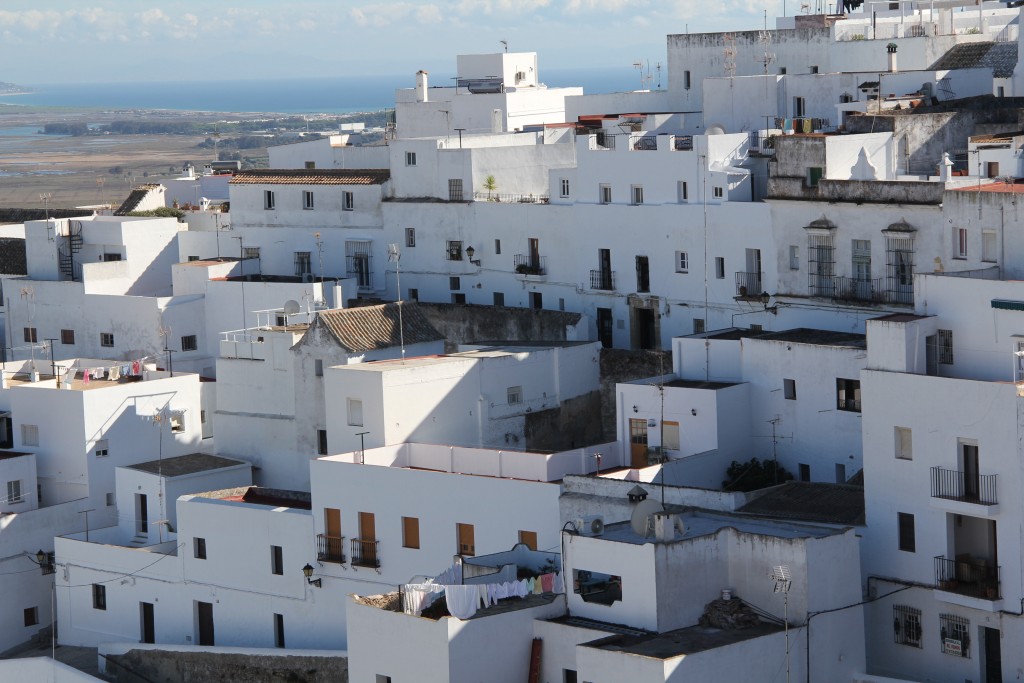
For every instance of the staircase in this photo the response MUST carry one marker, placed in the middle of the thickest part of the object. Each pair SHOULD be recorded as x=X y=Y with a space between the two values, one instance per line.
x=66 y=251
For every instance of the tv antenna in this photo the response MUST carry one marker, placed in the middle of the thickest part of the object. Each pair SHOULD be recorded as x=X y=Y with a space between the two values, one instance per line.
x=769 y=57
x=505 y=43
x=775 y=437
x=783 y=582
x=395 y=255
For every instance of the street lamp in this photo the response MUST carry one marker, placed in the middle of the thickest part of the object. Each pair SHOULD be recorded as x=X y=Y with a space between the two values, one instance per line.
x=307 y=571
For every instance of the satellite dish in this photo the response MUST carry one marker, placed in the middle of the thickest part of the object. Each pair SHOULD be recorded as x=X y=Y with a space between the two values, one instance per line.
x=291 y=307
x=715 y=129
x=641 y=515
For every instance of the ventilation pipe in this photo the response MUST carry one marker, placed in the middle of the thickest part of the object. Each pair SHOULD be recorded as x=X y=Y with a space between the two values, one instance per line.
x=337 y=295
x=421 y=86
x=891 y=49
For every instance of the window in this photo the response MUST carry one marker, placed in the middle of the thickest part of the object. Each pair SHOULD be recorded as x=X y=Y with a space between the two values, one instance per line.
x=410 y=158
x=67 y=336
x=277 y=560
x=411 y=532
x=348 y=201
x=381 y=678
x=309 y=165
x=643 y=274
x=904 y=443
x=410 y=237
x=794 y=257
x=789 y=389
x=29 y=435
x=682 y=191
x=177 y=423
x=189 y=343
x=497 y=247
x=905 y=531
x=110 y=501
x=454 y=249
x=954 y=635
x=670 y=435
x=455 y=189
x=814 y=174
x=906 y=624
x=840 y=473
x=536 y=300
x=782 y=71
x=458 y=298
x=515 y=395
x=102 y=448
x=848 y=394
x=799 y=107
x=454 y=283
x=682 y=262
x=14 y=495
x=250 y=252
x=529 y=539
x=31 y=616
x=318 y=367
x=606 y=194
x=720 y=267
x=945 y=346
x=99 y=596
x=698 y=325
x=303 y=263
x=959 y=242
x=565 y=187
x=106 y=338
x=199 y=548
x=268 y=200
x=414 y=294
x=321 y=442
x=717 y=192
x=756 y=329
x=30 y=335
x=307 y=200
x=278 y=630
x=355 y=412
x=804 y=471
x=637 y=195
x=988 y=246
x=499 y=299
x=465 y=537
x=814 y=69
x=686 y=80
x=357 y=262
x=861 y=250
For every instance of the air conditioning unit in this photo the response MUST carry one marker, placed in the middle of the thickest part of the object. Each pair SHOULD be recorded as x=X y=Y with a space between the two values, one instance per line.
x=307 y=277
x=590 y=525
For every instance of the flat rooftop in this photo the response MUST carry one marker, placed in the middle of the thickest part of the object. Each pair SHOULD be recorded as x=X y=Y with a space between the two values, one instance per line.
x=182 y=465
x=705 y=523
x=257 y=495
x=811 y=502
x=499 y=345
x=698 y=384
x=681 y=642
x=807 y=335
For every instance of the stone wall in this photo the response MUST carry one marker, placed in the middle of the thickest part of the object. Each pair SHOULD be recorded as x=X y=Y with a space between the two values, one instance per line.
x=621 y=365
x=159 y=666
x=464 y=324
x=574 y=424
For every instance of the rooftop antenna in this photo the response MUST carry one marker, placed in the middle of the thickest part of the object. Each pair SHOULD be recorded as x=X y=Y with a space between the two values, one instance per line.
x=320 y=257
x=44 y=197
x=729 y=53
x=783 y=581
x=505 y=43
x=395 y=255
x=766 y=41
x=658 y=67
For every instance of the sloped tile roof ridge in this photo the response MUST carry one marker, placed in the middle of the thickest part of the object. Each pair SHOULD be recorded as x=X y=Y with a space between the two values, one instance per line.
x=312 y=176
x=366 y=328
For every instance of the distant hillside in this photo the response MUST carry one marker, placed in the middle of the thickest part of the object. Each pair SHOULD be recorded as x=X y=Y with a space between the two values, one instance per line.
x=12 y=89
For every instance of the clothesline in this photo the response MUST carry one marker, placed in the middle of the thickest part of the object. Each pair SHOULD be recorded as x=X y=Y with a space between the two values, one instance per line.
x=464 y=600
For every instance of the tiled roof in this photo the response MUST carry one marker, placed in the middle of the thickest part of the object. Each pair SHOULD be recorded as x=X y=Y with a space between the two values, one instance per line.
x=134 y=199
x=811 y=502
x=1000 y=57
x=376 y=327
x=317 y=176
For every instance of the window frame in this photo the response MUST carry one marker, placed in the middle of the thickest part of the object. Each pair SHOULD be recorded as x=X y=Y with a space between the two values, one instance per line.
x=411 y=533
x=15 y=494
x=604 y=193
x=453 y=250
x=107 y=339
x=907 y=626
x=354 y=405
x=904 y=443
x=682 y=262
x=789 y=389
x=321 y=442
x=348 y=200
x=31 y=335
x=410 y=158
x=65 y=336
x=189 y=342
x=410 y=238
x=307 y=200
x=636 y=195
x=906 y=533
x=198 y=548
x=99 y=597
x=564 y=186
x=514 y=395
x=269 y=201
x=277 y=560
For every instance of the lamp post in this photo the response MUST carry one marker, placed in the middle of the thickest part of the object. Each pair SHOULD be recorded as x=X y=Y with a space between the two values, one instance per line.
x=307 y=571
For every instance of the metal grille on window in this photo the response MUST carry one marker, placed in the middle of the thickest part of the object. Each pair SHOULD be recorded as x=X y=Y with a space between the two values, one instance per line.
x=303 y=263
x=821 y=262
x=906 y=625
x=899 y=252
x=455 y=189
x=954 y=635
x=357 y=263
x=945 y=346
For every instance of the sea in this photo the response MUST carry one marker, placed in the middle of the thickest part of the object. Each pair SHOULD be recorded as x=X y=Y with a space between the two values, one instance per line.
x=330 y=95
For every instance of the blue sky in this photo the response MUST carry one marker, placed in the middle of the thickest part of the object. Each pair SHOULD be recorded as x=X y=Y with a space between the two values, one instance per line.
x=53 y=41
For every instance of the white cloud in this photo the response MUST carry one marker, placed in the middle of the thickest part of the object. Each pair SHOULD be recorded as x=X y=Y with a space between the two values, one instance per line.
x=388 y=13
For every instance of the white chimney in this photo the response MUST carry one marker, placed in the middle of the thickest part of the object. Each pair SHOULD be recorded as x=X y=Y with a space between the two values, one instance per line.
x=421 y=86
x=891 y=49
x=664 y=526
x=497 y=126
x=338 y=303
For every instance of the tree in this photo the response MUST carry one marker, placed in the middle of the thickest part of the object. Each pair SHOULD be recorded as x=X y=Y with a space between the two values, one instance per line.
x=753 y=475
x=490 y=184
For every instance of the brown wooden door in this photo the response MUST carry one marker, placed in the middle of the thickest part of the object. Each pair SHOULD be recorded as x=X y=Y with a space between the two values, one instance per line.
x=467 y=543
x=332 y=522
x=638 y=442
x=368 y=536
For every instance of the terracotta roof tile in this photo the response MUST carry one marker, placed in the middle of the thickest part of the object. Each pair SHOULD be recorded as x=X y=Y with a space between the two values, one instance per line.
x=376 y=327
x=312 y=176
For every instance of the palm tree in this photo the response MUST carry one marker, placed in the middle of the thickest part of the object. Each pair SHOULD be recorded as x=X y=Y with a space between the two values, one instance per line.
x=490 y=184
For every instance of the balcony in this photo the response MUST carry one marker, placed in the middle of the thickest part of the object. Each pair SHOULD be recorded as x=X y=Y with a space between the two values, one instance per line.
x=850 y=405
x=955 y=485
x=530 y=264
x=602 y=280
x=330 y=548
x=968 y=576
x=853 y=289
x=364 y=553
x=748 y=285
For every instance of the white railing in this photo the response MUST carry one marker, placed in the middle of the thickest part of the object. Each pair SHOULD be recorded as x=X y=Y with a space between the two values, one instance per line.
x=244 y=344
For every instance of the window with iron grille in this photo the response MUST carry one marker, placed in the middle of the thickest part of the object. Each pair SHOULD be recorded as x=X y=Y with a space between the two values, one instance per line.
x=455 y=189
x=30 y=334
x=899 y=263
x=106 y=338
x=189 y=342
x=454 y=250
x=357 y=263
x=251 y=252
x=954 y=635
x=454 y=283
x=410 y=237
x=944 y=339
x=268 y=200
x=821 y=261
x=515 y=395
x=906 y=625
x=99 y=596
x=303 y=263
x=862 y=260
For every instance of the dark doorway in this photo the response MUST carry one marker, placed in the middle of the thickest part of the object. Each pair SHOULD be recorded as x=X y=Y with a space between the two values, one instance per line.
x=992 y=664
x=643 y=318
x=146 y=628
x=604 y=327
x=204 y=617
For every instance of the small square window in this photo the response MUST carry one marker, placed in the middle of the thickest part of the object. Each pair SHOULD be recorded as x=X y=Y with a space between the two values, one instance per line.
x=454 y=250
x=698 y=325
x=109 y=499
x=102 y=448
x=528 y=538
x=14 y=494
x=99 y=596
x=410 y=158
x=276 y=560
x=848 y=394
x=720 y=267
x=199 y=548
x=309 y=165
x=348 y=201
x=67 y=336
x=565 y=187
x=606 y=194
x=905 y=530
x=515 y=396
x=31 y=616
x=189 y=342
x=321 y=442
x=318 y=367
x=106 y=339
x=682 y=262
x=30 y=335
x=805 y=471
x=458 y=298
x=454 y=283
x=414 y=294
x=717 y=192
x=410 y=237
x=268 y=200
x=307 y=200
x=355 y=412
x=789 y=389
x=499 y=299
